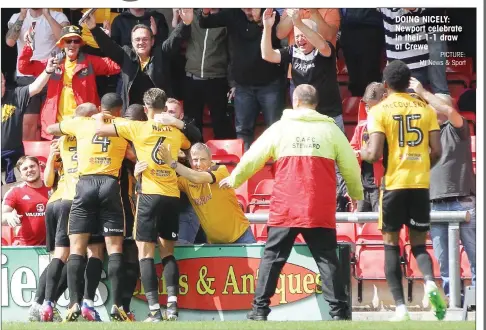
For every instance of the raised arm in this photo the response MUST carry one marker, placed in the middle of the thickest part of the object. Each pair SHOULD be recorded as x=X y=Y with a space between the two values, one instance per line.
x=312 y=36
x=102 y=128
x=373 y=150
x=54 y=129
x=439 y=105
x=191 y=175
x=327 y=29
x=28 y=66
x=106 y=44
x=56 y=26
x=348 y=165
x=285 y=26
x=15 y=27
x=208 y=20
x=39 y=83
x=253 y=160
x=182 y=32
x=50 y=172
x=268 y=53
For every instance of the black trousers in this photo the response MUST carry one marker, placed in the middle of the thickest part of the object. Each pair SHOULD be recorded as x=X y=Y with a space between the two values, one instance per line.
x=210 y=92
x=362 y=49
x=322 y=243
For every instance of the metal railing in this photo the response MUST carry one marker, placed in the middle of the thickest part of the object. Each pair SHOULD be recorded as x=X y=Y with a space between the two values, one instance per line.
x=452 y=218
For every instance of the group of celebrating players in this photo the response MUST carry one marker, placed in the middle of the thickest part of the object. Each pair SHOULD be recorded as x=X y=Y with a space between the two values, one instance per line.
x=89 y=212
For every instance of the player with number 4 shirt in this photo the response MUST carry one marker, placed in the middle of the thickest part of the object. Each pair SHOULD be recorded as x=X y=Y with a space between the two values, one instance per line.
x=97 y=207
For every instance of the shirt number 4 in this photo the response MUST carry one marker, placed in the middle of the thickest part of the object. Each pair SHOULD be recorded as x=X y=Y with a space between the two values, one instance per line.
x=104 y=141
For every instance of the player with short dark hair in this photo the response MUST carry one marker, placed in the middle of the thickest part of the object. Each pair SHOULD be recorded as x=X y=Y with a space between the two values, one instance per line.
x=158 y=199
x=97 y=209
x=63 y=156
x=402 y=128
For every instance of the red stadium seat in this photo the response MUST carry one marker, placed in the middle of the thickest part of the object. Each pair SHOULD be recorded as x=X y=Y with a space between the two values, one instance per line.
x=349 y=130
x=473 y=151
x=351 y=109
x=206 y=116
x=465 y=266
x=260 y=199
x=207 y=133
x=264 y=189
x=362 y=115
x=346 y=232
x=242 y=202
x=344 y=91
x=368 y=264
x=369 y=233
x=460 y=65
x=265 y=173
x=261 y=232
x=341 y=67
x=242 y=193
x=456 y=88
x=412 y=270
x=226 y=147
x=459 y=74
x=471 y=119
x=39 y=149
x=7 y=236
x=230 y=161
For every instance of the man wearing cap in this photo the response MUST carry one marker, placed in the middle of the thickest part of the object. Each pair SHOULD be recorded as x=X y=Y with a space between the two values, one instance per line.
x=73 y=83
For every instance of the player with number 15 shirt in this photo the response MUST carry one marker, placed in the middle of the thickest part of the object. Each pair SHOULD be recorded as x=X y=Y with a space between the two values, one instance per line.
x=406 y=122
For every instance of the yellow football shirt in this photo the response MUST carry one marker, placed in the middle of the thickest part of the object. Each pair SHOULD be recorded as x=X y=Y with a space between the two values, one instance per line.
x=96 y=155
x=101 y=15
x=67 y=103
x=58 y=193
x=69 y=156
x=406 y=123
x=158 y=178
x=218 y=210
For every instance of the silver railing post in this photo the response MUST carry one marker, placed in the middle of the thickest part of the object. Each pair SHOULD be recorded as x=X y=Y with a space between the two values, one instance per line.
x=452 y=218
x=454 y=266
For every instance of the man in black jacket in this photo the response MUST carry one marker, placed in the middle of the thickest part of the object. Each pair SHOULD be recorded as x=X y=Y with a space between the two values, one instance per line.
x=143 y=66
x=259 y=84
x=122 y=25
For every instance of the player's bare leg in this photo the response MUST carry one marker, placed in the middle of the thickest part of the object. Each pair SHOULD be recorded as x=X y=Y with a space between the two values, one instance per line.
x=393 y=274
x=424 y=261
x=171 y=275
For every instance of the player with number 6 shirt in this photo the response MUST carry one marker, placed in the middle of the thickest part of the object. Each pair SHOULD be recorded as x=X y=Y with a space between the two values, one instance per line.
x=158 y=198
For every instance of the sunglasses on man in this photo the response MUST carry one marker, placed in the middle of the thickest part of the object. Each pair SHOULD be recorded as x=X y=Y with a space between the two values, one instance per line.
x=72 y=41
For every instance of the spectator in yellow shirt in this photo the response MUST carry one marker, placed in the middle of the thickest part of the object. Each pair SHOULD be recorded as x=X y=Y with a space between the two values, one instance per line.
x=218 y=210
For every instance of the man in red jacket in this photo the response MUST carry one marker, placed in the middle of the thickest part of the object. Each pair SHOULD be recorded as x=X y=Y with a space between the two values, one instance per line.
x=371 y=174
x=73 y=83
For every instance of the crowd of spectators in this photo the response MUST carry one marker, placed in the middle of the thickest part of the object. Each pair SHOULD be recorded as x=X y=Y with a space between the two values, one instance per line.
x=237 y=63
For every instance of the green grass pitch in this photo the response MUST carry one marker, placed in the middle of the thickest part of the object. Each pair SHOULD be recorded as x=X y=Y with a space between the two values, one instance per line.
x=244 y=325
